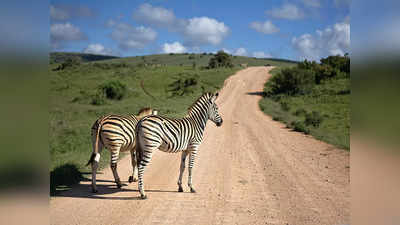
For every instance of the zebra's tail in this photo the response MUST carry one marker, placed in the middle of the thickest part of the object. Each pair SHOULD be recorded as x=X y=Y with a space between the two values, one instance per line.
x=138 y=149
x=96 y=128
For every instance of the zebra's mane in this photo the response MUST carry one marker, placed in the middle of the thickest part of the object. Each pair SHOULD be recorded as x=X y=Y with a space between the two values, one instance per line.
x=144 y=112
x=207 y=95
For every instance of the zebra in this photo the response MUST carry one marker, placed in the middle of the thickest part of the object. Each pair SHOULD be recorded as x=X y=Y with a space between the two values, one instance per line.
x=117 y=134
x=175 y=135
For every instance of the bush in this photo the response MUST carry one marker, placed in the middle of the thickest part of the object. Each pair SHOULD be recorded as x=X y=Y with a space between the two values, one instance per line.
x=191 y=56
x=69 y=62
x=314 y=118
x=183 y=86
x=113 y=90
x=285 y=106
x=98 y=99
x=299 y=112
x=221 y=59
x=300 y=127
x=291 y=81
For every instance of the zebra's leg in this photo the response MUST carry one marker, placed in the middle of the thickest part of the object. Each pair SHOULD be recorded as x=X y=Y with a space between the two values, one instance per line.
x=134 y=176
x=182 y=169
x=142 y=163
x=192 y=158
x=113 y=165
x=95 y=165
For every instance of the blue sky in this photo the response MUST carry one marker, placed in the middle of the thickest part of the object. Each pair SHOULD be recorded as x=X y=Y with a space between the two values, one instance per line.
x=296 y=29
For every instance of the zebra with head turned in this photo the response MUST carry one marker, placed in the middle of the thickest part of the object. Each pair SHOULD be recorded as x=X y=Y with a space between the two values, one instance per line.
x=175 y=135
x=117 y=134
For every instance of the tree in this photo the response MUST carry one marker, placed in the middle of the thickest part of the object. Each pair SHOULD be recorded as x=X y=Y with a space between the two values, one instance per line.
x=221 y=59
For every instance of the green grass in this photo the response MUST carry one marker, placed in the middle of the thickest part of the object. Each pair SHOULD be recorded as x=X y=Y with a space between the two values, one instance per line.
x=330 y=99
x=76 y=102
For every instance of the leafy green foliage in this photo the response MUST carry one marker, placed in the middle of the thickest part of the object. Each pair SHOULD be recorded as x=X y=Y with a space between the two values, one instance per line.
x=221 y=59
x=291 y=81
x=114 y=90
x=313 y=119
x=300 y=127
x=313 y=98
x=183 y=85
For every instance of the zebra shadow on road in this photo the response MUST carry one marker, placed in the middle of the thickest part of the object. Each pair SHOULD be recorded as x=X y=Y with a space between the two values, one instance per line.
x=259 y=93
x=105 y=190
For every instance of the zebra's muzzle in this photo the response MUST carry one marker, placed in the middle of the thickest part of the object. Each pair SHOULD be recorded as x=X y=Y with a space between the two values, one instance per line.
x=219 y=123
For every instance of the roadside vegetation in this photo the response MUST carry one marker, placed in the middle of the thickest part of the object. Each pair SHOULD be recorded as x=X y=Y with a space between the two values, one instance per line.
x=313 y=98
x=83 y=90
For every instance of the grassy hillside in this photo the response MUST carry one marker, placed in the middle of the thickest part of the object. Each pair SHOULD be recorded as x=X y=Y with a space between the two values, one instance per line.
x=59 y=57
x=77 y=99
x=312 y=98
x=187 y=59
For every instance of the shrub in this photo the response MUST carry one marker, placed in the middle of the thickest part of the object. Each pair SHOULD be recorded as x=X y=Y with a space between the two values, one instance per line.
x=113 y=90
x=191 y=56
x=183 y=86
x=299 y=112
x=285 y=106
x=98 y=99
x=277 y=118
x=69 y=62
x=299 y=126
x=221 y=59
x=291 y=81
x=314 y=118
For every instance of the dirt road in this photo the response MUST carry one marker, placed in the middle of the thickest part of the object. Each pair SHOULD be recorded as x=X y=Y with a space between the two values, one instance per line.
x=251 y=170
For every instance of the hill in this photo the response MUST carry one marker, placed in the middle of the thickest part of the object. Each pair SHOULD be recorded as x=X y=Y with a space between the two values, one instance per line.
x=168 y=59
x=60 y=57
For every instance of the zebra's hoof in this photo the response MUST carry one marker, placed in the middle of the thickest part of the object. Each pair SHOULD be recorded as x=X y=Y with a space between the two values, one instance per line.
x=94 y=190
x=180 y=189
x=192 y=190
x=143 y=197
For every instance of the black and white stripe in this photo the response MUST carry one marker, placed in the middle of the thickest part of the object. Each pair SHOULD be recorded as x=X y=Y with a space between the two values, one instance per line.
x=175 y=135
x=117 y=134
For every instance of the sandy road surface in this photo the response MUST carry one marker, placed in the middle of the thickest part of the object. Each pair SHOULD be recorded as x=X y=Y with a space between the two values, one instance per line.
x=251 y=170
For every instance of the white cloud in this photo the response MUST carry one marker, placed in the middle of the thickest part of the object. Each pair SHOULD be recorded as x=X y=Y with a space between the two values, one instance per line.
x=129 y=37
x=330 y=41
x=196 y=31
x=240 y=52
x=64 y=32
x=203 y=31
x=267 y=27
x=287 y=11
x=312 y=3
x=98 y=49
x=225 y=50
x=175 y=47
x=58 y=13
x=261 y=54
x=155 y=16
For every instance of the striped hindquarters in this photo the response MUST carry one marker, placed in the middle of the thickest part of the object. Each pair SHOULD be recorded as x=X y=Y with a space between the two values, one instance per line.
x=116 y=132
